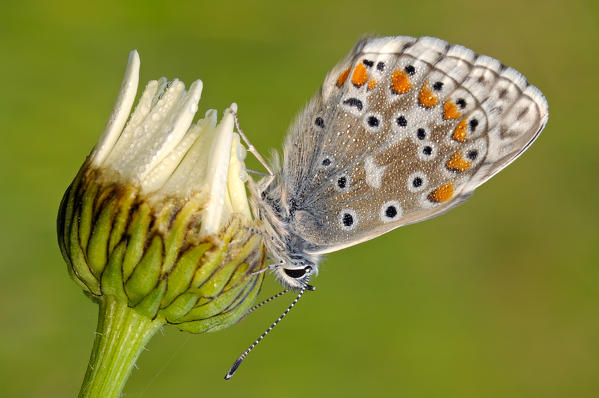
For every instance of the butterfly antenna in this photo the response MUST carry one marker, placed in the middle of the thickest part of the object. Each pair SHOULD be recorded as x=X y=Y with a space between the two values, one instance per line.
x=251 y=148
x=271 y=298
x=236 y=364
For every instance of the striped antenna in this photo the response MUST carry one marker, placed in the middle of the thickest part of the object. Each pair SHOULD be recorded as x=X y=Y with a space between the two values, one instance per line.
x=236 y=364
x=271 y=298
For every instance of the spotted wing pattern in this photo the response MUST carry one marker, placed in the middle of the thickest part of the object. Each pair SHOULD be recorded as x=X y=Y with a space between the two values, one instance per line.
x=402 y=130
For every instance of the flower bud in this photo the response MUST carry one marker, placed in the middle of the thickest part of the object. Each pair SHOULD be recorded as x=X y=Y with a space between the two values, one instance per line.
x=158 y=216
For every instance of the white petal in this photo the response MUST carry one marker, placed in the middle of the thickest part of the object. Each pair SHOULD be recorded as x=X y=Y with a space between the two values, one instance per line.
x=118 y=156
x=189 y=175
x=216 y=180
x=121 y=110
x=158 y=136
x=236 y=181
x=177 y=143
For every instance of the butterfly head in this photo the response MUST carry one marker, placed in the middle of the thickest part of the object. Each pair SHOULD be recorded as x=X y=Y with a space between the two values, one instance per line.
x=294 y=277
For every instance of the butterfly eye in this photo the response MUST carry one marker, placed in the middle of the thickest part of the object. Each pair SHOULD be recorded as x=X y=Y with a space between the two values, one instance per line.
x=296 y=273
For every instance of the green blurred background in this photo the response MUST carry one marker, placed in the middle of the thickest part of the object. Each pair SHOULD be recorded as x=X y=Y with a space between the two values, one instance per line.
x=498 y=298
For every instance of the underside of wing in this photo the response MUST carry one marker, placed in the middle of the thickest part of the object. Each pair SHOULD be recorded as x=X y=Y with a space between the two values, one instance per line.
x=402 y=130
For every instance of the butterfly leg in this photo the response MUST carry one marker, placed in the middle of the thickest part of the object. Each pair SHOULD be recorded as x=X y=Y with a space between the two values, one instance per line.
x=269 y=267
x=251 y=148
x=263 y=270
x=258 y=173
x=266 y=237
x=258 y=232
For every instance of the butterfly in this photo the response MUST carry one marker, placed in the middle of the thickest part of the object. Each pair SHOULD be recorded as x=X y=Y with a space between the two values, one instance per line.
x=402 y=130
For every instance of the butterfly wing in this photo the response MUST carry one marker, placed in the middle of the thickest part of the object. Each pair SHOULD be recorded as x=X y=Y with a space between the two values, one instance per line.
x=402 y=130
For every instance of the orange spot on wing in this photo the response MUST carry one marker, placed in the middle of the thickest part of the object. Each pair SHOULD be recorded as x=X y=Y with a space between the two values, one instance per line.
x=360 y=75
x=400 y=82
x=442 y=194
x=450 y=110
x=342 y=77
x=458 y=163
x=426 y=97
x=371 y=84
x=459 y=134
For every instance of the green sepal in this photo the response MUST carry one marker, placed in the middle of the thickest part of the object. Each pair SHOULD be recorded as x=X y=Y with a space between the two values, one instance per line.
x=177 y=233
x=203 y=300
x=77 y=279
x=150 y=304
x=212 y=260
x=180 y=277
x=86 y=210
x=64 y=222
x=179 y=307
x=112 y=278
x=241 y=305
x=219 y=279
x=120 y=221
x=97 y=248
x=145 y=276
x=239 y=274
x=138 y=230
x=238 y=310
x=79 y=262
x=215 y=306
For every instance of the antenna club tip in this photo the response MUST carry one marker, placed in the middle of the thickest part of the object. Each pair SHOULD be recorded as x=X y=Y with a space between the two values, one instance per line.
x=233 y=369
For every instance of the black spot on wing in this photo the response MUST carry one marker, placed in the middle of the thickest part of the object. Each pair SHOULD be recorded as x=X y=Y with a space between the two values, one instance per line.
x=354 y=102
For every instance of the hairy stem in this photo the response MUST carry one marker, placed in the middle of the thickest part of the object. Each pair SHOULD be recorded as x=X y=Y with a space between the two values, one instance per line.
x=121 y=335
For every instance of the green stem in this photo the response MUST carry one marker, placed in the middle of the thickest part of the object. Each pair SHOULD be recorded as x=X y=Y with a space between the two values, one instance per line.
x=121 y=335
